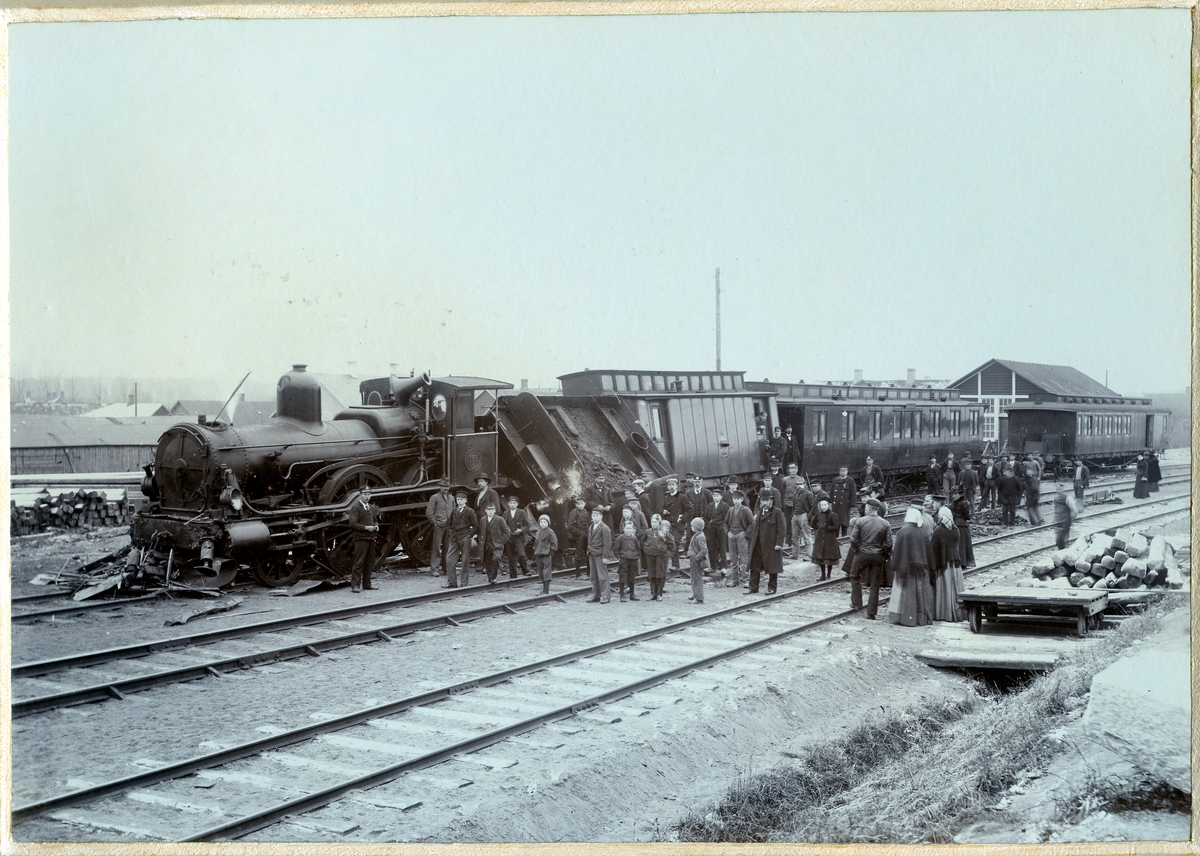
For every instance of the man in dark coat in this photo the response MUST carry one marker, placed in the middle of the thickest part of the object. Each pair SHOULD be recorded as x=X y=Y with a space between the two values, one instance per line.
x=599 y=547
x=989 y=479
x=600 y=495
x=769 y=488
x=871 y=472
x=765 y=543
x=1033 y=490
x=519 y=526
x=776 y=445
x=1010 y=495
x=673 y=511
x=715 y=532
x=871 y=542
x=493 y=535
x=364 y=520
x=696 y=501
x=968 y=480
x=461 y=529
x=791 y=449
x=1153 y=471
x=933 y=476
x=485 y=495
x=842 y=494
x=1082 y=479
x=437 y=512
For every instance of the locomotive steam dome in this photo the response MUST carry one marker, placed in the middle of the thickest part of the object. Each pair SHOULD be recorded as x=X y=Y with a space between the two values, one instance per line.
x=298 y=396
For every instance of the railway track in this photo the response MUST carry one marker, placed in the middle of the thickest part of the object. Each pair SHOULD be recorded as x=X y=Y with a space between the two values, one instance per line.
x=196 y=656
x=341 y=756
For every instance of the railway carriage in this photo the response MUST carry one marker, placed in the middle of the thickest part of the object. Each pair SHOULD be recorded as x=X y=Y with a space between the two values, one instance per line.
x=1104 y=432
x=900 y=427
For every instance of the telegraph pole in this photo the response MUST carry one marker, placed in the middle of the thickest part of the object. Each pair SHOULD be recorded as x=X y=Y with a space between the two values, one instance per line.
x=718 y=319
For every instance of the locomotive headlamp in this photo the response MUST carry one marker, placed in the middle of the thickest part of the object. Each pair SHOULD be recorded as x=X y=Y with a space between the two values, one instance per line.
x=232 y=494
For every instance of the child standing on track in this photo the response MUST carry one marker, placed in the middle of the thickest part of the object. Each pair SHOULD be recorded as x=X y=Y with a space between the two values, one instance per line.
x=628 y=552
x=658 y=545
x=697 y=559
x=545 y=545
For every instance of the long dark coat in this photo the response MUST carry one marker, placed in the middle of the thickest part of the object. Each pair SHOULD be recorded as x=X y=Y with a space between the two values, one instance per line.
x=842 y=493
x=826 y=526
x=767 y=533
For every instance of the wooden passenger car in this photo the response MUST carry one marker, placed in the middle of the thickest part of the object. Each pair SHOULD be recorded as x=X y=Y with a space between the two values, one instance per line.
x=1101 y=431
x=900 y=427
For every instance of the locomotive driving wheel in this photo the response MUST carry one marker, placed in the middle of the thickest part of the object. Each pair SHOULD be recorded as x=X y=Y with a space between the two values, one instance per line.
x=336 y=541
x=415 y=534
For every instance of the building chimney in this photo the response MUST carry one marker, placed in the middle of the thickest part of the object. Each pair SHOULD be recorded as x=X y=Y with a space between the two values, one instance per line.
x=352 y=368
x=130 y=401
x=912 y=376
x=241 y=396
x=524 y=383
x=858 y=375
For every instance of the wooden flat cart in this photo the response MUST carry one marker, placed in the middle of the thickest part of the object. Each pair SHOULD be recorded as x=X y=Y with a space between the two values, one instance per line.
x=1084 y=607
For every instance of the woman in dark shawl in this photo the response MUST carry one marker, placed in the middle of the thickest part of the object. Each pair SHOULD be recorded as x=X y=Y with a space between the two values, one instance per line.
x=947 y=572
x=961 y=509
x=1153 y=473
x=1141 y=485
x=911 y=602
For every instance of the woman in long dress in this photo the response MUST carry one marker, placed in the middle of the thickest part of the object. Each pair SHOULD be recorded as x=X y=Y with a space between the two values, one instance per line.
x=1153 y=473
x=961 y=509
x=825 y=551
x=948 y=577
x=1141 y=484
x=911 y=601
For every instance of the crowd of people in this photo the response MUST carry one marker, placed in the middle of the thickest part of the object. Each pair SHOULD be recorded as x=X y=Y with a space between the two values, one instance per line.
x=653 y=525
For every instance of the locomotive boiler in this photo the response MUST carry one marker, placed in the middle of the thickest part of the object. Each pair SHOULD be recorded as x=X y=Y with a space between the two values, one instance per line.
x=273 y=498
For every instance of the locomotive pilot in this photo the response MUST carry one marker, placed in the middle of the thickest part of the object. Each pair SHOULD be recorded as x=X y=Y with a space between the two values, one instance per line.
x=364 y=520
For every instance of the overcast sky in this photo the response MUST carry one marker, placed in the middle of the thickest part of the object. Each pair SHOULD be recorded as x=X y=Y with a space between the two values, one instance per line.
x=525 y=197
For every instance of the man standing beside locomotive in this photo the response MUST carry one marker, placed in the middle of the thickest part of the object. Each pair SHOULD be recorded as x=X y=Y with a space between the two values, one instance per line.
x=599 y=495
x=437 y=512
x=493 y=535
x=519 y=525
x=364 y=520
x=599 y=545
x=485 y=495
x=463 y=527
x=842 y=495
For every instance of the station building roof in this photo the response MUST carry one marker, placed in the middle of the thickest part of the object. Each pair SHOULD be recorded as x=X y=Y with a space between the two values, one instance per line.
x=1009 y=377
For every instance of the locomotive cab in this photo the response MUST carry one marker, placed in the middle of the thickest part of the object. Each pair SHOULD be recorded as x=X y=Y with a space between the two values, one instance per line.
x=452 y=406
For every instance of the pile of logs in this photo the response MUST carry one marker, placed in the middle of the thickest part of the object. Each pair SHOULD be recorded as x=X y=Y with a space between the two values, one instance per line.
x=1121 y=560
x=80 y=509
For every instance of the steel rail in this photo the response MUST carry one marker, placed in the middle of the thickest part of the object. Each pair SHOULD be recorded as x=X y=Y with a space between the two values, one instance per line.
x=83 y=607
x=117 y=689
x=91 y=658
x=286 y=738
x=255 y=747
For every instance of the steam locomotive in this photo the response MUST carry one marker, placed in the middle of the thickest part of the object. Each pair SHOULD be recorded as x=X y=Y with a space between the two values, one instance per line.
x=274 y=497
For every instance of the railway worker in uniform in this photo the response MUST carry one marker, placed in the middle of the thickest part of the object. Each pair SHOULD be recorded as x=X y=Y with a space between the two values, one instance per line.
x=1153 y=471
x=463 y=527
x=485 y=495
x=697 y=559
x=697 y=500
x=1141 y=482
x=825 y=525
x=960 y=507
x=765 y=543
x=599 y=545
x=738 y=523
x=716 y=534
x=364 y=520
x=947 y=570
x=578 y=522
x=1081 y=481
x=672 y=512
x=1009 y=489
x=933 y=475
x=842 y=495
x=968 y=480
x=628 y=548
x=657 y=544
x=494 y=536
x=871 y=472
x=789 y=489
x=437 y=512
x=545 y=545
x=871 y=541
x=911 y=603
x=599 y=495
x=519 y=525
x=990 y=478
x=1033 y=490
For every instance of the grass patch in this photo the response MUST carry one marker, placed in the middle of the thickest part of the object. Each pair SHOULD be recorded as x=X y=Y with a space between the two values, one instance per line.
x=920 y=775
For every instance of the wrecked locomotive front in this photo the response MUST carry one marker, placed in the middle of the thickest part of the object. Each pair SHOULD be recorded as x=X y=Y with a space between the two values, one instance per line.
x=272 y=498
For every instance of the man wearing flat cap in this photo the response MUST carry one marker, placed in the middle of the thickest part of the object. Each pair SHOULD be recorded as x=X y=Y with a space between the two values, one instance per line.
x=437 y=512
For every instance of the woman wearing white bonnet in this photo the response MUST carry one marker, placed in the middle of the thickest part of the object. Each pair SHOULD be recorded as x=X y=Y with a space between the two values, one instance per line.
x=911 y=603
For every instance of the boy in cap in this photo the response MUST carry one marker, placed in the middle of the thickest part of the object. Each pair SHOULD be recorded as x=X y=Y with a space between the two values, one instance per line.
x=493 y=535
x=599 y=545
x=577 y=531
x=518 y=524
x=697 y=559
x=716 y=533
x=545 y=545
x=462 y=528
x=629 y=552
x=437 y=512
x=737 y=523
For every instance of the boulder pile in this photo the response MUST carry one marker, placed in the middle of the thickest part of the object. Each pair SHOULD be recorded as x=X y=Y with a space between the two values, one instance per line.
x=1120 y=559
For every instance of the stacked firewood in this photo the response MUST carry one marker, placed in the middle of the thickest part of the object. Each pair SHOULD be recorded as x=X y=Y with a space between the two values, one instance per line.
x=1121 y=560
x=81 y=509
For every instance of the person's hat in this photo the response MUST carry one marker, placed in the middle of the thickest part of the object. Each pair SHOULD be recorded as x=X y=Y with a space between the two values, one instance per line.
x=863 y=491
x=788 y=430
x=443 y=482
x=737 y=494
x=774 y=461
x=485 y=478
x=461 y=493
x=513 y=499
x=938 y=497
x=577 y=499
x=875 y=503
x=639 y=480
x=766 y=496
x=545 y=517
x=691 y=476
x=673 y=479
x=489 y=504
x=597 y=511
x=956 y=491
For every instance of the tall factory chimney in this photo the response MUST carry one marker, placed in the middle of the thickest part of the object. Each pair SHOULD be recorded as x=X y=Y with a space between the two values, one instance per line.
x=858 y=375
